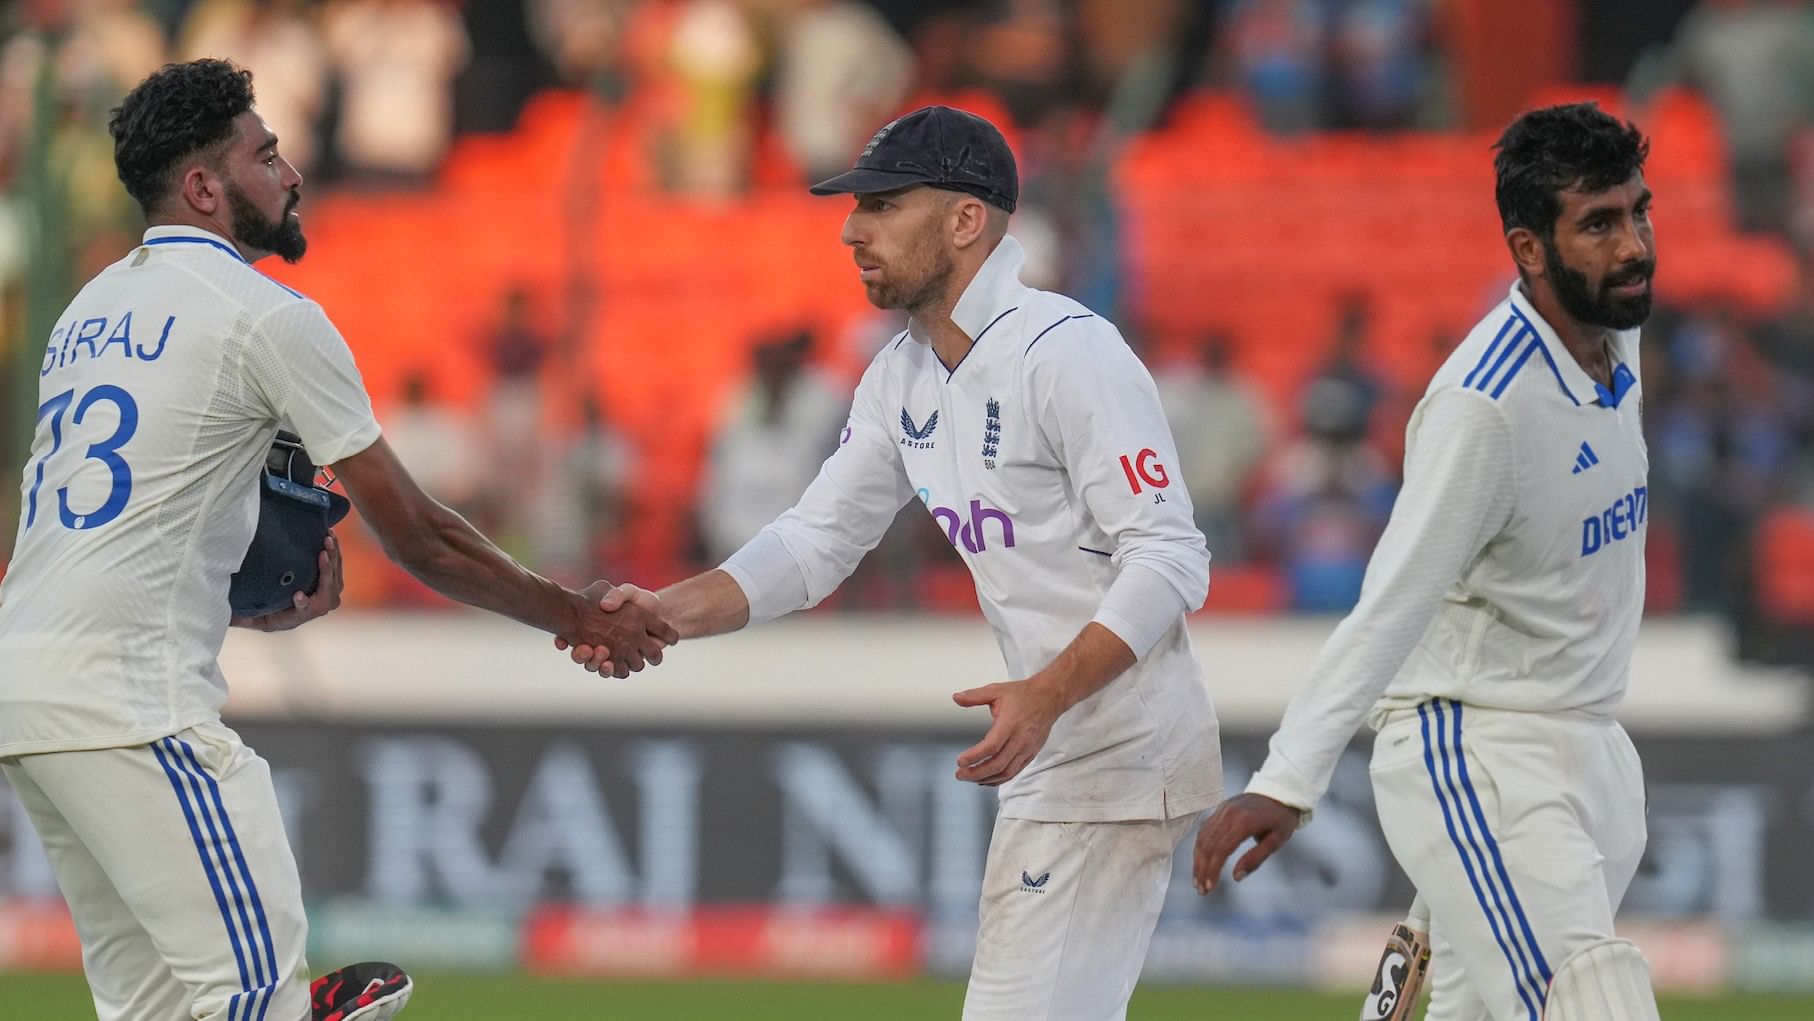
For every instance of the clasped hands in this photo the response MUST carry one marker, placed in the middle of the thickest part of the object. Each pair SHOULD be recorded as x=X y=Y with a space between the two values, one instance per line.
x=619 y=629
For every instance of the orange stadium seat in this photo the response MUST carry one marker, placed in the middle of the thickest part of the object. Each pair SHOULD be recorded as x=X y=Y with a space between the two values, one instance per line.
x=1785 y=567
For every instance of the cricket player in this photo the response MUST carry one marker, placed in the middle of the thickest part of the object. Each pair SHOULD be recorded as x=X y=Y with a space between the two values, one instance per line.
x=1034 y=438
x=161 y=388
x=1492 y=641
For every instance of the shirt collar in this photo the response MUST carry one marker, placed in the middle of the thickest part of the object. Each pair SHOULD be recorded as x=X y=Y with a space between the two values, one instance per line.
x=995 y=289
x=1580 y=387
x=177 y=233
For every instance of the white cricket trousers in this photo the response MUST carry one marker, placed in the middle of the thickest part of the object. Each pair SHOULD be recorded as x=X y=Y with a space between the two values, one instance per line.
x=1068 y=909
x=173 y=860
x=1521 y=831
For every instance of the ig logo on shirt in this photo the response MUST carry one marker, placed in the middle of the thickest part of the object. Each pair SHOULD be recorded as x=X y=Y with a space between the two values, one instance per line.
x=1144 y=467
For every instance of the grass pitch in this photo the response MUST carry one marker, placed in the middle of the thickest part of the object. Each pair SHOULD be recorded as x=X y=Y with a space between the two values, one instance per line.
x=471 y=997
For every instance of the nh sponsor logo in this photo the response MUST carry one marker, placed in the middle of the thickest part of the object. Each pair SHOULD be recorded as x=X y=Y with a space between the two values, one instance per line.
x=1615 y=523
x=970 y=533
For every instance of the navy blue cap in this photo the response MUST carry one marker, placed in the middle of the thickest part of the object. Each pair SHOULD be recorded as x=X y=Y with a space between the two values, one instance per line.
x=936 y=146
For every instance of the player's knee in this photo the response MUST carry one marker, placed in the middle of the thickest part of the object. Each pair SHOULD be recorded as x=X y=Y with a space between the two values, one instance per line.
x=1606 y=980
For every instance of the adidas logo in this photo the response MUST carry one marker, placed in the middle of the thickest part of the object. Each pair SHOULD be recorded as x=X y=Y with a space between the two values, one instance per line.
x=1585 y=459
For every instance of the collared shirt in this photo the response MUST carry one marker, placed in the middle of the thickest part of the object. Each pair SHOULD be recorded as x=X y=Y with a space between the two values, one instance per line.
x=1512 y=572
x=1044 y=457
x=159 y=393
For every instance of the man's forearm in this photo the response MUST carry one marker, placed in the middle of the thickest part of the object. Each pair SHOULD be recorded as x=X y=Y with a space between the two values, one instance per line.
x=705 y=604
x=1087 y=665
x=451 y=557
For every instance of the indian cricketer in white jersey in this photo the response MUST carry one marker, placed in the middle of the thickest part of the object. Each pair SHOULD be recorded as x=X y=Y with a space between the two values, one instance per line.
x=1034 y=438
x=161 y=390
x=1492 y=641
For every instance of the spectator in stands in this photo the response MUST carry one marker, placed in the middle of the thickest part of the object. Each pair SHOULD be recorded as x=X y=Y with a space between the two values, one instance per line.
x=396 y=61
x=1223 y=428
x=581 y=513
x=1722 y=451
x=1273 y=50
x=1348 y=352
x=1381 y=72
x=583 y=39
x=282 y=40
x=514 y=350
x=842 y=70
x=776 y=431
x=1327 y=500
x=1754 y=59
x=710 y=58
x=439 y=443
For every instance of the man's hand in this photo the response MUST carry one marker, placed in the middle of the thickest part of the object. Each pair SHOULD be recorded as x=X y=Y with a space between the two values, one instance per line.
x=1238 y=819
x=1024 y=712
x=324 y=600
x=630 y=612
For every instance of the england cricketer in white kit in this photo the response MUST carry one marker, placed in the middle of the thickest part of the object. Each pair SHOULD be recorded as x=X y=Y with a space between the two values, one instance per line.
x=161 y=389
x=1492 y=641
x=1035 y=439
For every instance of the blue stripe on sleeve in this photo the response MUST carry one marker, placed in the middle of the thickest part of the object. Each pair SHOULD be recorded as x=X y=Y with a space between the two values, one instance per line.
x=1505 y=355
x=1490 y=348
x=1511 y=373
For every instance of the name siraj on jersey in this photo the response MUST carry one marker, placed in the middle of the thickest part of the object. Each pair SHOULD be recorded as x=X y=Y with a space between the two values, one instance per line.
x=68 y=342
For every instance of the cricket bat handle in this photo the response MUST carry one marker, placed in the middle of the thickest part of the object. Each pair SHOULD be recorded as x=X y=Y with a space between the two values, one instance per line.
x=1403 y=966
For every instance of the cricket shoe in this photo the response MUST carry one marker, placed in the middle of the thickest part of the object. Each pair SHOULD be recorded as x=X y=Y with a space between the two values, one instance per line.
x=372 y=991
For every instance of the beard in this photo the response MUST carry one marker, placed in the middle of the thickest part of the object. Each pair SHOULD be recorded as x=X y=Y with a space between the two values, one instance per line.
x=1598 y=306
x=282 y=238
x=914 y=280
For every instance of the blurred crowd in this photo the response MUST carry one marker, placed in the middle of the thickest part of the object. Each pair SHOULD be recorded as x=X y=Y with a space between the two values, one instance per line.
x=370 y=95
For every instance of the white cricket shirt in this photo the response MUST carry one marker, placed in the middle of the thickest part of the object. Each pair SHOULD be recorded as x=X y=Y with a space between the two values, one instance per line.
x=1512 y=572
x=1045 y=458
x=159 y=393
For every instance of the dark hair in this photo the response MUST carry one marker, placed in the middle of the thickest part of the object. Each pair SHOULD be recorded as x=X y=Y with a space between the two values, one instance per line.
x=179 y=110
x=1547 y=151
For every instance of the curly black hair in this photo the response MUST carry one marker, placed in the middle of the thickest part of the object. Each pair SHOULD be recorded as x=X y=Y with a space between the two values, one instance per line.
x=1545 y=152
x=181 y=109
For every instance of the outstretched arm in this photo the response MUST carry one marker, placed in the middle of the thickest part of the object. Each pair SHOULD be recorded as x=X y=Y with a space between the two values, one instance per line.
x=446 y=553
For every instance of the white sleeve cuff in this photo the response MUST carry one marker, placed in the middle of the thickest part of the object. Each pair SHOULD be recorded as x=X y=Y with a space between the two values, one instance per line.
x=1262 y=785
x=1140 y=607
x=770 y=577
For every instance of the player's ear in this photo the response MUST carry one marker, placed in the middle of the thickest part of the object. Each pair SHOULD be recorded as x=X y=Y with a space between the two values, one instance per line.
x=1527 y=250
x=201 y=188
x=970 y=220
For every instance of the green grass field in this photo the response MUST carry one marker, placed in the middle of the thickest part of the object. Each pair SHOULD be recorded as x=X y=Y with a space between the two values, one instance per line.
x=491 y=997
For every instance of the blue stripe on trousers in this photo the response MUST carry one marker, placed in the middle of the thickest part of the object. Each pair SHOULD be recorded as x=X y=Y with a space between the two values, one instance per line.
x=1467 y=864
x=245 y=871
x=1492 y=846
x=1453 y=754
x=201 y=846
